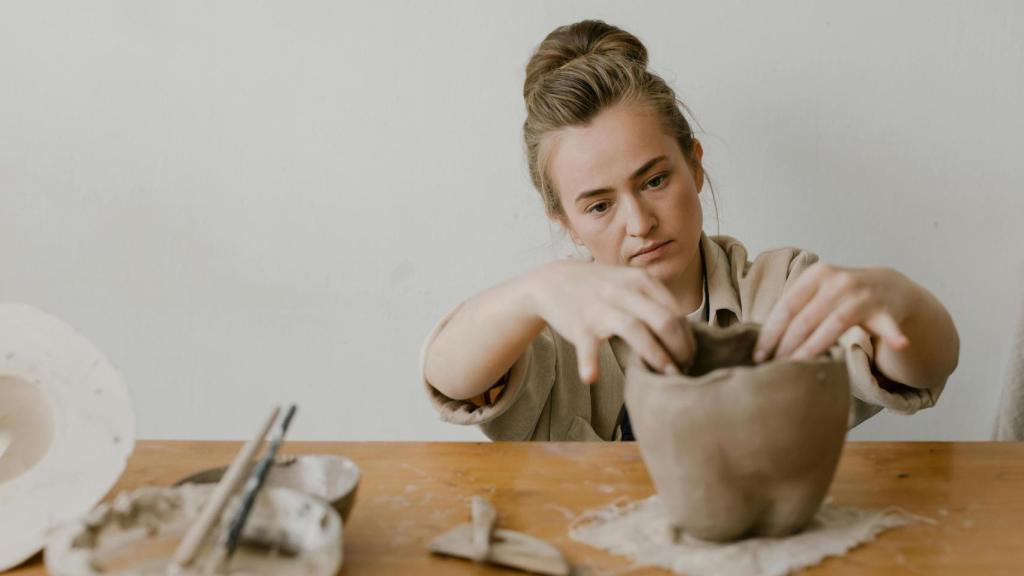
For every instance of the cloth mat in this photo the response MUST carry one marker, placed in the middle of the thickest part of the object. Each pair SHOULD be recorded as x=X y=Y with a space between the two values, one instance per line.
x=641 y=530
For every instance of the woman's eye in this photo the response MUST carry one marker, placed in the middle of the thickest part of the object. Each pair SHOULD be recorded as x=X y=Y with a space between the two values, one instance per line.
x=598 y=208
x=657 y=181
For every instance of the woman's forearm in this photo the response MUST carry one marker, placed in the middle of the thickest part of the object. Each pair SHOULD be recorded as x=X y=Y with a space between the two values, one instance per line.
x=934 y=345
x=483 y=339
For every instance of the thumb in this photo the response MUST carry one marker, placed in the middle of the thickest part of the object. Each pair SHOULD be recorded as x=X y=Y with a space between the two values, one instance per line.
x=885 y=327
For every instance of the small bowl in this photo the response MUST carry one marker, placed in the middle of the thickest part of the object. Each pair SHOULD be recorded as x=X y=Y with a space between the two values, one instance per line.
x=333 y=479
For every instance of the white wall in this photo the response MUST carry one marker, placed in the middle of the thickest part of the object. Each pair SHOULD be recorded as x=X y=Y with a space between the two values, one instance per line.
x=245 y=202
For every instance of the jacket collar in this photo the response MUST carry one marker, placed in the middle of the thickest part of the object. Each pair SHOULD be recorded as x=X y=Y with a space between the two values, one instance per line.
x=724 y=302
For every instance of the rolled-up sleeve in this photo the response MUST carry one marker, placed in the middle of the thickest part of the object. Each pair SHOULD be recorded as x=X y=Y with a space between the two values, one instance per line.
x=872 y=388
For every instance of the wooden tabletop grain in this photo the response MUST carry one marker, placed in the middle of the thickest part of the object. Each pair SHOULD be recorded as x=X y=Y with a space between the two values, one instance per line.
x=412 y=491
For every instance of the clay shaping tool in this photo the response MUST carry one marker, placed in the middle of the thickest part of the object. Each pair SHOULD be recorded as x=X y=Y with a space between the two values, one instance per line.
x=499 y=546
x=230 y=538
x=197 y=532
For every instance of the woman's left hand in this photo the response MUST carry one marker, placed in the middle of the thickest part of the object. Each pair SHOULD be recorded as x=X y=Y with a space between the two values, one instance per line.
x=826 y=301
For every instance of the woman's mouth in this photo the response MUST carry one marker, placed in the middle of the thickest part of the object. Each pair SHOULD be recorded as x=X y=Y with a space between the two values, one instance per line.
x=651 y=253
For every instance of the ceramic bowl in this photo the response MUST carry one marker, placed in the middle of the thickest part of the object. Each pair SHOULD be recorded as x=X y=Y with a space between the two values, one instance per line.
x=333 y=479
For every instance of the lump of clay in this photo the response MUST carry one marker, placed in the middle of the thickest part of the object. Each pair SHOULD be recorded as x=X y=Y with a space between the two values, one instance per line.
x=136 y=534
x=66 y=428
x=736 y=449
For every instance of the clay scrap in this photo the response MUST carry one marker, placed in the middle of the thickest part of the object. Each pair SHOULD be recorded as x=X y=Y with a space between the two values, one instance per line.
x=479 y=540
x=738 y=450
x=288 y=533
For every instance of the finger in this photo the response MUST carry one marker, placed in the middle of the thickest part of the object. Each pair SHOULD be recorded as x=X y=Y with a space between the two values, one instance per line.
x=849 y=313
x=587 y=346
x=691 y=344
x=885 y=326
x=640 y=339
x=669 y=329
x=785 y=310
x=807 y=321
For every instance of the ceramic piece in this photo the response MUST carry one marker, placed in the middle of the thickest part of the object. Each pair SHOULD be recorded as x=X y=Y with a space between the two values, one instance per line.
x=737 y=449
x=66 y=428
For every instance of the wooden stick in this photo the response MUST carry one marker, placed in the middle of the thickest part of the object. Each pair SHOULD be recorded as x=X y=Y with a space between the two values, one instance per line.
x=229 y=483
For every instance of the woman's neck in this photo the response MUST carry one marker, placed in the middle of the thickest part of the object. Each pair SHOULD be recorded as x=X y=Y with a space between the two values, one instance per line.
x=688 y=287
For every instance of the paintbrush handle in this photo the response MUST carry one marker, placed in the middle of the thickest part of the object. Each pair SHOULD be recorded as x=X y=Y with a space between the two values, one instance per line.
x=193 y=539
x=255 y=483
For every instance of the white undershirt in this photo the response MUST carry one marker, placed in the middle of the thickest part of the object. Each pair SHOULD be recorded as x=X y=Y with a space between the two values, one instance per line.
x=698 y=314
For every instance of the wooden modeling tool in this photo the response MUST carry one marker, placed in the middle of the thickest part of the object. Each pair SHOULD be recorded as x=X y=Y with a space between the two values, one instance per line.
x=479 y=540
x=197 y=532
x=229 y=540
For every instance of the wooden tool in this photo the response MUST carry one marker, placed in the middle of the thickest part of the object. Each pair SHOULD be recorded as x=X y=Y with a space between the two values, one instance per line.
x=196 y=534
x=480 y=541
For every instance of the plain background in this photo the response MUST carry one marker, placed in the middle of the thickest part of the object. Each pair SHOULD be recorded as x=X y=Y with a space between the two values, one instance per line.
x=248 y=202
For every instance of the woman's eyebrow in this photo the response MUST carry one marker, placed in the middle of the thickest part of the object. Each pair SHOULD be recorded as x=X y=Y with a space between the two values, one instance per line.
x=636 y=174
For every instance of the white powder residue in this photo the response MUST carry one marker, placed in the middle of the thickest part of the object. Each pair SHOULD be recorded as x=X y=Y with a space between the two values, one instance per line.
x=569 y=514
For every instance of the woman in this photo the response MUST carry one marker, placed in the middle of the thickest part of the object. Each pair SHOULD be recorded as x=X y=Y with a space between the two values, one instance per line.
x=618 y=167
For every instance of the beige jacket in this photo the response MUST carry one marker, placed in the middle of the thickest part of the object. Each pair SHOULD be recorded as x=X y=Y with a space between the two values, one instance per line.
x=542 y=398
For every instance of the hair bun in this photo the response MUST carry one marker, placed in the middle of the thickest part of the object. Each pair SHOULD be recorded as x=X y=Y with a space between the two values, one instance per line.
x=572 y=42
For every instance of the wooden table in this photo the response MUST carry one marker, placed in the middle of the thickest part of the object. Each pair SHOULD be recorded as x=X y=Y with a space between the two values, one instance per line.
x=410 y=492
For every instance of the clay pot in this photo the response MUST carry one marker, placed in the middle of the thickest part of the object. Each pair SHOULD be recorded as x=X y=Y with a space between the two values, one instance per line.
x=736 y=449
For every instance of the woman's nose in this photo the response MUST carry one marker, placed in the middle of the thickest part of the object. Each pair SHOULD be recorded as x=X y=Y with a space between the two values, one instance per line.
x=640 y=219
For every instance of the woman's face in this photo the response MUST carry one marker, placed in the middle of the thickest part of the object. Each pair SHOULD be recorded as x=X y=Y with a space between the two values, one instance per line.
x=626 y=187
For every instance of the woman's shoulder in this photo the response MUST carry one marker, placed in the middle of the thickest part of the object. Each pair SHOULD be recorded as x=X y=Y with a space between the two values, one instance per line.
x=790 y=259
x=749 y=287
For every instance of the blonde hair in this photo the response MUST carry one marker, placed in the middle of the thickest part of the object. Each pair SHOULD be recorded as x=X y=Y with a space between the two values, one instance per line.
x=578 y=71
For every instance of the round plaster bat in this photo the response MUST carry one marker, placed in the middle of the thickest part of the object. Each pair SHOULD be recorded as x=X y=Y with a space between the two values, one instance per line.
x=737 y=449
x=66 y=428
x=287 y=533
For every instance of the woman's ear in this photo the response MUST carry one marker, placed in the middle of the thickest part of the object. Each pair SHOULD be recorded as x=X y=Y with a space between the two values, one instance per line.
x=697 y=154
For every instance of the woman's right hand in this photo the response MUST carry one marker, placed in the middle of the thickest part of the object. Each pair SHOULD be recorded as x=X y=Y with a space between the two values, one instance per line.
x=588 y=303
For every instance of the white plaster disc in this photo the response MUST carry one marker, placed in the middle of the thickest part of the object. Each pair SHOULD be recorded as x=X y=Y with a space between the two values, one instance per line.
x=66 y=428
